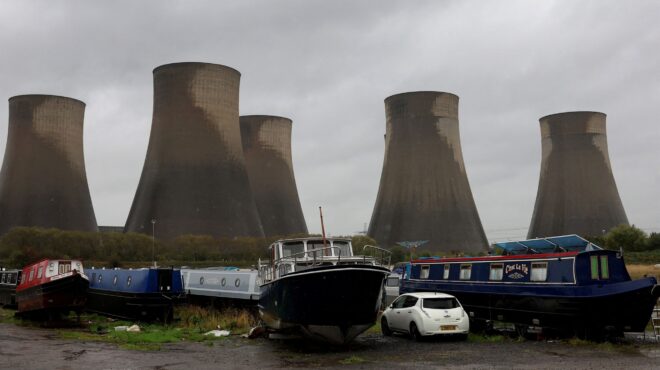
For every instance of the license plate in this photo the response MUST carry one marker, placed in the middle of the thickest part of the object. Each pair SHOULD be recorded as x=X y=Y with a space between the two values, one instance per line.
x=447 y=327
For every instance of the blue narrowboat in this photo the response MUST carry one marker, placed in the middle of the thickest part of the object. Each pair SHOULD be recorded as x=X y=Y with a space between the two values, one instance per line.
x=563 y=283
x=146 y=294
x=8 y=281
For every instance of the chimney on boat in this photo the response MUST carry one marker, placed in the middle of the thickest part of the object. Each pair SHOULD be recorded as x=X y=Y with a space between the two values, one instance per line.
x=577 y=193
x=194 y=179
x=43 y=182
x=267 y=148
x=424 y=192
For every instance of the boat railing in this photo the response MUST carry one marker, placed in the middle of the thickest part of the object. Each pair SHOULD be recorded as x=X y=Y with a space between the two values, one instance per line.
x=300 y=261
x=381 y=256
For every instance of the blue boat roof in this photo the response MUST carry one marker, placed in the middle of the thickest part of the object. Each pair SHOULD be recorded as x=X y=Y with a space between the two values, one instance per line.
x=564 y=243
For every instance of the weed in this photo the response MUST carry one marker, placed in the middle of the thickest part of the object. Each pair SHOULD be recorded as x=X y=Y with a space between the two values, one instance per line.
x=352 y=360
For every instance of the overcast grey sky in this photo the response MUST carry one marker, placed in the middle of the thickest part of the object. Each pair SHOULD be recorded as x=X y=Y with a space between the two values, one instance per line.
x=328 y=65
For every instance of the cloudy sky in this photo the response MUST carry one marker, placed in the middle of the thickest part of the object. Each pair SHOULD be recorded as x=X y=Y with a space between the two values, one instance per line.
x=328 y=65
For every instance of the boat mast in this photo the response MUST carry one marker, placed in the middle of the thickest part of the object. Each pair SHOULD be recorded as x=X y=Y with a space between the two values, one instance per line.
x=322 y=230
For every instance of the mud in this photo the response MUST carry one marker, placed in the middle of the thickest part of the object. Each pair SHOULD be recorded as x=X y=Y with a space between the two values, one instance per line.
x=22 y=348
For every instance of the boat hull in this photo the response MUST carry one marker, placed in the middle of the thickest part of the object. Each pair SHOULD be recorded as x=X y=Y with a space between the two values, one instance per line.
x=329 y=303
x=61 y=295
x=133 y=306
x=8 y=296
x=580 y=309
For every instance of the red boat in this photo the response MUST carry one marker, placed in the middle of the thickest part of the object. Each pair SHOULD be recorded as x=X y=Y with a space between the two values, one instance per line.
x=52 y=287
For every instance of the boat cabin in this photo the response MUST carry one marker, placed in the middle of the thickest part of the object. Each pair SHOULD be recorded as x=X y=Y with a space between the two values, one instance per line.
x=290 y=255
x=567 y=259
x=8 y=281
x=46 y=270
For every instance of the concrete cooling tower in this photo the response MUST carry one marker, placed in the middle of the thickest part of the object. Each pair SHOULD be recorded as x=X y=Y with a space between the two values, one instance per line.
x=267 y=148
x=43 y=181
x=424 y=192
x=194 y=179
x=577 y=193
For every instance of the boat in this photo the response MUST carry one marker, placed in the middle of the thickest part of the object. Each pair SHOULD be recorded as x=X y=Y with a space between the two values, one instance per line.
x=144 y=294
x=8 y=281
x=317 y=287
x=53 y=287
x=563 y=283
x=231 y=285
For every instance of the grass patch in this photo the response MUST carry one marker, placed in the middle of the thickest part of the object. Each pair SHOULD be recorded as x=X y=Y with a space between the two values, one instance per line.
x=193 y=322
x=352 y=360
x=482 y=338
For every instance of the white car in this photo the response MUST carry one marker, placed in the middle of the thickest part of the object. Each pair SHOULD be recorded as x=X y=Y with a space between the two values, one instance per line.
x=425 y=314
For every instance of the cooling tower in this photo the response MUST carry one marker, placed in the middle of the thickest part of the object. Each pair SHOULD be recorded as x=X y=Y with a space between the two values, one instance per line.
x=424 y=192
x=577 y=193
x=267 y=148
x=194 y=179
x=43 y=181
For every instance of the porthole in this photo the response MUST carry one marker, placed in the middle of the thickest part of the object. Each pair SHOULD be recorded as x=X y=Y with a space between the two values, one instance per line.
x=129 y=280
x=201 y=280
x=114 y=280
x=223 y=281
x=100 y=278
x=237 y=283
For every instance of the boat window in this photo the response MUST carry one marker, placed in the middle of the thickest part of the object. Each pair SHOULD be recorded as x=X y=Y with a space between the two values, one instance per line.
x=539 y=271
x=13 y=279
x=201 y=280
x=237 y=283
x=496 y=271
x=3 y=278
x=466 y=272
x=410 y=301
x=289 y=249
x=445 y=273
x=424 y=274
x=393 y=281
x=285 y=269
x=64 y=267
x=440 y=303
x=344 y=247
x=604 y=268
x=129 y=279
x=31 y=275
x=114 y=280
x=594 y=267
x=223 y=282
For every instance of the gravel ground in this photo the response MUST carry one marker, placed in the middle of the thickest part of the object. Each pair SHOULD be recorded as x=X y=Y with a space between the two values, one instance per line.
x=22 y=348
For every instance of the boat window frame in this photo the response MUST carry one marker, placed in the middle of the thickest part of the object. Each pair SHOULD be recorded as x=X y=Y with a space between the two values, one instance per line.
x=494 y=267
x=445 y=272
x=2 y=278
x=40 y=272
x=465 y=267
x=31 y=274
x=532 y=269
x=422 y=269
x=593 y=263
x=604 y=267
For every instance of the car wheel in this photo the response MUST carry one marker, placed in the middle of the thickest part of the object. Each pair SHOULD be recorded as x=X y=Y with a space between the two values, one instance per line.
x=414 y=333
x=385 y=328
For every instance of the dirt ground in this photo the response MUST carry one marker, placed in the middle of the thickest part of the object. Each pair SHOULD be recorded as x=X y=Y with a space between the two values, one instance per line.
x=23 y=348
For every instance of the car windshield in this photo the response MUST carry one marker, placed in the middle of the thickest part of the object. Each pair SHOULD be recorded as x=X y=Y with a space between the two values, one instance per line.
x=440 y=303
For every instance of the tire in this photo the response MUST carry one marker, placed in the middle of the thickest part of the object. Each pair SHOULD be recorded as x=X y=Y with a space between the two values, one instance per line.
x=414 y=333
x=385 y=328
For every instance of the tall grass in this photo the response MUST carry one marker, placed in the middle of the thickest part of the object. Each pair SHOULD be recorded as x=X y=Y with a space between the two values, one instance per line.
x=237 y=320
x=638 y=271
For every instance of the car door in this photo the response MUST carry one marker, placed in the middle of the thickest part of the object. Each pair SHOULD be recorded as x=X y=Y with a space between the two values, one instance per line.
x=394 y=317
x=406 y=315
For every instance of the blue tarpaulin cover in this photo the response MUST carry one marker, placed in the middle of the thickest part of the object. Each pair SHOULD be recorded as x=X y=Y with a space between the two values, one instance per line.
x=564 y=243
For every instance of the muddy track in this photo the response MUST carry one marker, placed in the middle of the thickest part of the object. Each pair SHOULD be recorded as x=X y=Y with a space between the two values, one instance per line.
x=22 y=348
